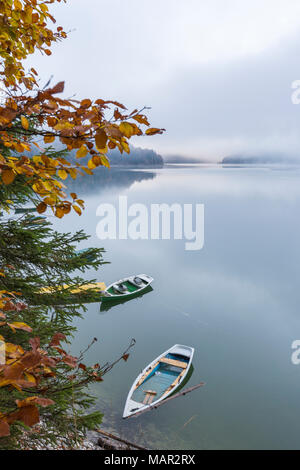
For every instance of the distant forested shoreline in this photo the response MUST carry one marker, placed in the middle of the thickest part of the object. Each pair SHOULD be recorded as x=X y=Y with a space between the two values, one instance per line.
x=259 y=159
x=138 y=158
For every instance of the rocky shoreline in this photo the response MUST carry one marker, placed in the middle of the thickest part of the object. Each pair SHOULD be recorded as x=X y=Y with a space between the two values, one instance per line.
x=93 y=440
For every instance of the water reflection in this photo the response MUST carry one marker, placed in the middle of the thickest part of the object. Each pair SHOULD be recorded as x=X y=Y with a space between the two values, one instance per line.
x=102 y=179
x=236 y=301
x=106 y=306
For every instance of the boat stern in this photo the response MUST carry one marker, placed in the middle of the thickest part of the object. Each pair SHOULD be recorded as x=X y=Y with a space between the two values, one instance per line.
x=183 y=350
x=146 y=278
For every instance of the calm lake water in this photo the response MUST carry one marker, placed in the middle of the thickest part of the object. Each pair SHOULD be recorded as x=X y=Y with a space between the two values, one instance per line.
x=236 y=301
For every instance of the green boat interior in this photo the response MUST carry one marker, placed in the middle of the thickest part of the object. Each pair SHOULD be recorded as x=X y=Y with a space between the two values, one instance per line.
x=127 y=287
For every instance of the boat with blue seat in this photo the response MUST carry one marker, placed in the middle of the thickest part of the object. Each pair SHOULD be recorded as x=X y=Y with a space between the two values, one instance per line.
x=159 y=379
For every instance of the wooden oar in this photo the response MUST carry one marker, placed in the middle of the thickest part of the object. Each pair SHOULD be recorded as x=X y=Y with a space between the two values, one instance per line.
x=179 y=394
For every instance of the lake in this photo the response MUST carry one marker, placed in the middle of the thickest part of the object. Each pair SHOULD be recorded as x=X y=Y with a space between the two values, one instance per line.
x=236 y=301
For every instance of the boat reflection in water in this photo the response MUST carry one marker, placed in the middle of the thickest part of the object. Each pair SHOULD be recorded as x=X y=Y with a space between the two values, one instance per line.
x=106 y=306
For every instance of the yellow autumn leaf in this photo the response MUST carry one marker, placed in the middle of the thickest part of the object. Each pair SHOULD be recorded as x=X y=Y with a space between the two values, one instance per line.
x=24 y=122
x=82 y=152
x=28 y=14
x=19 y=148
x=11 y=348
x=73 y=173
x=30 y=378
x=105 y=161
x=62 y=174
x=20 y=326
x=47 y=185
x=63 y=125
x=25 y=146
x=126 y=129
x=4 y=382
x=88 y=171
x=125 y=147
x=49 y=201
x=18 y=5
x=77 y=209
x=80 y=202
x=37 y=159
x=44 y=8
x=91 y=164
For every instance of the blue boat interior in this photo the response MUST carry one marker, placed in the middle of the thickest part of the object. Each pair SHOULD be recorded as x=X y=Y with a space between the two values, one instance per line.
x=160 y=379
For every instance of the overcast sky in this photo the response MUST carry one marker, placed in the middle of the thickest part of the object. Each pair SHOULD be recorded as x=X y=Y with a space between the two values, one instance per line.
x=217 y=73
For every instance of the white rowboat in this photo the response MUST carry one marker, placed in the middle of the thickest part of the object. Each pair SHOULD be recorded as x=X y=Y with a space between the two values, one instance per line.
x=159 y=379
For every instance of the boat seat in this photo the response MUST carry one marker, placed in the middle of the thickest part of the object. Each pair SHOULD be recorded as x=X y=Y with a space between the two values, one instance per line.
x=137 y=281
x=120 y=288
x=150 y=394
x=173 y=362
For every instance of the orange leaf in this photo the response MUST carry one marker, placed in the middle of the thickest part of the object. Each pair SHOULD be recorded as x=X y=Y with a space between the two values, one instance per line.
x=101 y=139
x=80 y=202
x=4 y=429
x=59 y=213
x=154 y=130
x=41 y=207
x=85 y=103
x=57 y=338
x=9 y=305
x=141 y=119
x=29 y=415
x=70 y=360
x=59 y=88
x=96 y=159
x=8 y=176
x=36 y=400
